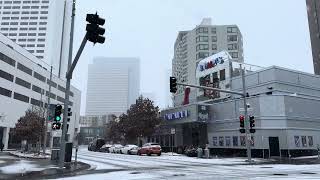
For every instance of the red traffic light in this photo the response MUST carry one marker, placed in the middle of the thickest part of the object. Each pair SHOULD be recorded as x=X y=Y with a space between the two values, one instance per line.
x=241 y=118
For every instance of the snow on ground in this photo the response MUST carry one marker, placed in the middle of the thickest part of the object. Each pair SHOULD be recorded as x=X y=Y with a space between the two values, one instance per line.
x=30 y=155
x=22 y=166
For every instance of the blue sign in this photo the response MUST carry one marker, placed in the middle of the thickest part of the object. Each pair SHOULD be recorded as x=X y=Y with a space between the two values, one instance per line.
x=177 y=115
x=212 y=63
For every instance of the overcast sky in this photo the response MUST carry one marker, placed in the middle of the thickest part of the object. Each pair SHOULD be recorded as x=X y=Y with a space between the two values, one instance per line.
x=275 y=32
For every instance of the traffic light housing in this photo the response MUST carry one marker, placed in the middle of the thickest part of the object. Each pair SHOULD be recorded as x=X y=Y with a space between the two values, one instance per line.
x=94 y=31
x=241 y=120
x=173 y=84
x=252 y=124
x=252 y=121
x=69 y=114
x=57 y=113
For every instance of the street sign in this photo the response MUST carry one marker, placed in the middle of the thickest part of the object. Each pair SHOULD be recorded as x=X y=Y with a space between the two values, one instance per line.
x=173 y=131
x=56 y=126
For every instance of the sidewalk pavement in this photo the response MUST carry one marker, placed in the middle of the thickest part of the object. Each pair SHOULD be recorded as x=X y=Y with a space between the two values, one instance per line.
x=12 y=167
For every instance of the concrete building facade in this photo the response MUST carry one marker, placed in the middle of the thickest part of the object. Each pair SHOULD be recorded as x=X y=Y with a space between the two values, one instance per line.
x=24 y=83
x=40 y=26
x=203 y=41
x=113 y=85
x=284 y=103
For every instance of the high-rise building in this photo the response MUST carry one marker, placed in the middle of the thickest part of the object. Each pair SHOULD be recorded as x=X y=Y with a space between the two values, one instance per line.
x=113 y=85
x=40 y=26
x=193 y=45
x=313 y=8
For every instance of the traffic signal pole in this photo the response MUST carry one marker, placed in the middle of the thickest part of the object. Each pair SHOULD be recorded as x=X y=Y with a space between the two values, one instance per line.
x=66 y=100
x=246 y=122
x=47 y=118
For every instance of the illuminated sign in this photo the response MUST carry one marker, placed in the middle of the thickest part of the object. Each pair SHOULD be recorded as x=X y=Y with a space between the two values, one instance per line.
x=177 y=115
x=212 y=63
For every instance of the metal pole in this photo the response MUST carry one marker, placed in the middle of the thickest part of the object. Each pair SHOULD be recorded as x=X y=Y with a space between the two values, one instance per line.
x=47 y=118
x=66 y=101
x=248 y=143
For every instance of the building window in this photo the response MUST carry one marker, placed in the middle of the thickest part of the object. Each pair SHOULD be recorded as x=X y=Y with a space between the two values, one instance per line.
x=202 y=47
x=24 y=23
x=21 y=97
x=228 y=141
x=32 y=29
x=40 y=45
x=234 y=54
x=44 y=12
x=232 y=29
x=22 y=34
x=202 y=30
x=40 y=51
x=5 y=92
x=6 y=75
x=53 y=96
x=41 y=40
x=5 y=18
x=23 y=29
x=7 y=60
x=36 y=89
x=31 y=51
x=310 y=141
x=214 y=47
x=43 y=17
x=297 y=141
x=214 y=38
x=34 y=7
x=25 y=12
x=214 y=141
x=33 y=23
x=61 y=88
x=30 y=45
x=24 y=69
x=33 y=17
x=25 y=7
x=41 y=34
x=60 y=99
x=232 y=46
x=304 y=141
x=202 y=55
x=235 y=141
x=38 y=76
x=31 y=40
x=232 y=38
x=53 y=84
x=15 y=12
x=213 y=30
x=44 y=7
x=23 y=83
x=71 y=94
x=4 y=29
x=221 y=141
x=202 y=39
x=242 y=140
x=222 y=75
x=36 y=102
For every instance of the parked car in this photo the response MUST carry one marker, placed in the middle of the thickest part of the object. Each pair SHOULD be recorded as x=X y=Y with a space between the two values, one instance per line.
x=90 y=146
x=149 y=149
x=191 y=152
x=133 y=151
x=105 y=148
x=115 y=148
x=127 y=148
x=96 y=144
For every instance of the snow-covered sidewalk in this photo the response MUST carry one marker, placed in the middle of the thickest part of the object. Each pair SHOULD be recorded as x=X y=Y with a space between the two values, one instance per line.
x=30 y=155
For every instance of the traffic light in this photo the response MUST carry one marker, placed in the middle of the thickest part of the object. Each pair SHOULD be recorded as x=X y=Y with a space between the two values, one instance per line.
x=94 y=31
x=173 y=84
x=69 y=114
x=242 y=119
x=56 y=126
x=57 y=113
x=252 y=121
x=252 y=125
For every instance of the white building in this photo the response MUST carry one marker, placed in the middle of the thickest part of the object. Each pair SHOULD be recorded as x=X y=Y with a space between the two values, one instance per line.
x=40 y=26
x=22 y=79
x=113 y=85
x=194 y=45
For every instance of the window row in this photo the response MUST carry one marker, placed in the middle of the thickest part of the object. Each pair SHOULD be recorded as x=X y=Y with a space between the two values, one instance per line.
x=226 y=141
x=27 y=34
x=205 y=30
x=24 y=2
x=305 y=141
x=23 y=29
x=206 y=47
x=25 y=69
x=206 y=39
x=24 y=23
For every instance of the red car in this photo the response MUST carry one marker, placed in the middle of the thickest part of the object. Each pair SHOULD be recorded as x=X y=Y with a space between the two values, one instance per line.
x=150 y=148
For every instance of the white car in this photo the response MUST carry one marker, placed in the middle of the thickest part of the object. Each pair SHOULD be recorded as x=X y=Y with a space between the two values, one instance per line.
x=115 y=148
x=126 y=149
